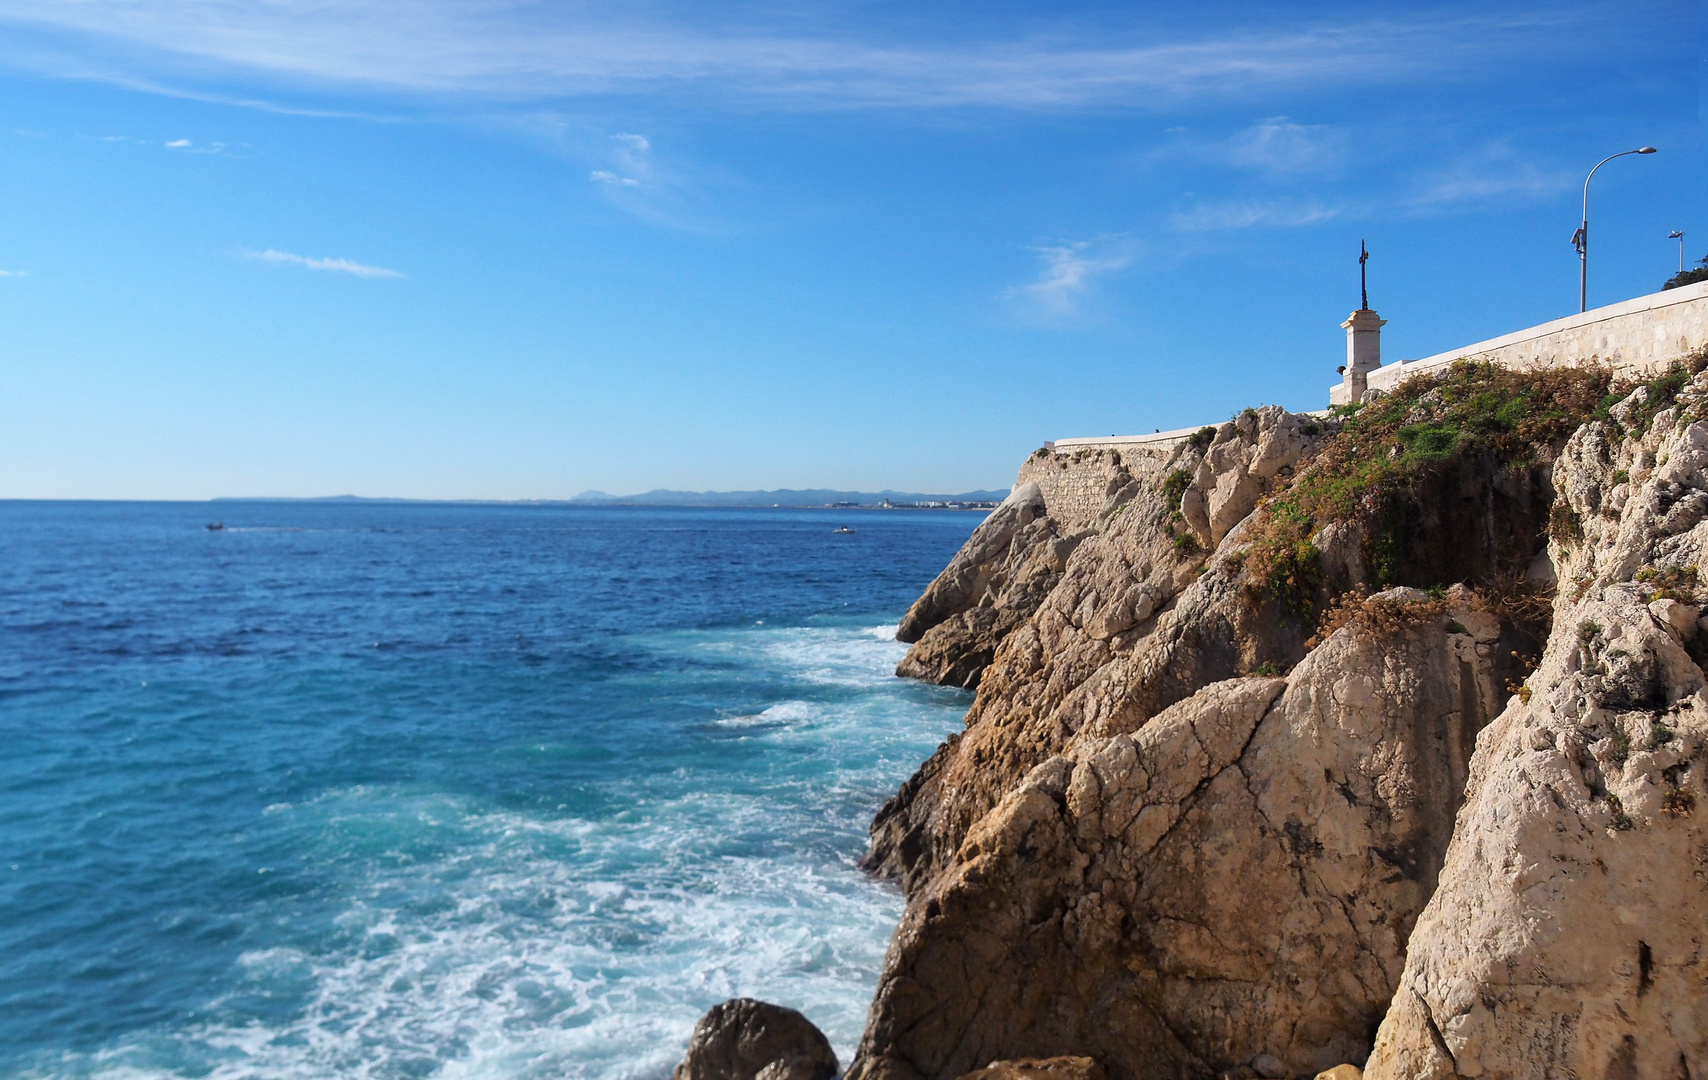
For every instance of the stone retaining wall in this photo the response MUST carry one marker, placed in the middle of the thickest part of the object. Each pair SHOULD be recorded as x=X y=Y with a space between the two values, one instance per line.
x=1077 y=476
x=1637 y=338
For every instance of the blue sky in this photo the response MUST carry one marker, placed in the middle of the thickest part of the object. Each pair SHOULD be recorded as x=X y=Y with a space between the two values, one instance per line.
x=502 y=249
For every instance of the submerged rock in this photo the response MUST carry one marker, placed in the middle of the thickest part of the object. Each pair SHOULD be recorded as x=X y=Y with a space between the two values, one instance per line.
x=1057 y=1068
x=745 y=1039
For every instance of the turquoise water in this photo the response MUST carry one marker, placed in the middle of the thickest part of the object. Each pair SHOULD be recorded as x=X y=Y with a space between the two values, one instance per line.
x=402 y=791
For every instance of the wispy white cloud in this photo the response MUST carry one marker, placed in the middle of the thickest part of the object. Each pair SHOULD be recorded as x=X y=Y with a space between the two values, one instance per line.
x=1211 y=216
x=177 y=143
x=1279 y=148
x=1494 y=177
x=1067 y=275
x=533 y=52
x=14 y=273
x=1279 y=145
x=631 y=158
x=337 y=266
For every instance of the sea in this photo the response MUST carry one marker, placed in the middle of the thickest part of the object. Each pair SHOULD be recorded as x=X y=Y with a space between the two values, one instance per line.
x=404 y=791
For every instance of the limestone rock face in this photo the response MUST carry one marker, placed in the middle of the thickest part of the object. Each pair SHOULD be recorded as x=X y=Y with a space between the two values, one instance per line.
x=1246 y=454
x=994 y=583
x=1569 y=934
x=1014 y=560
x=744 y=1039
x=1139 y=617
x=1150 y=847
x=1226 y=888
x=969 y=573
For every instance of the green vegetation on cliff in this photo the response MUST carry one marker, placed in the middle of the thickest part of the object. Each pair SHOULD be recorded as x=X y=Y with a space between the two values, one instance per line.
x=1391 y=455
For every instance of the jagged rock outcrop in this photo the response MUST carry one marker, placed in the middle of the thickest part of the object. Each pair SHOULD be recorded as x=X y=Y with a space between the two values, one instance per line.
x=1235 y=471
x=1229 y=886
x=994 y=583
x=1015 y=559
x=968 y=576
x=1137 y=620
x=1569 y=934
x=746 y=1039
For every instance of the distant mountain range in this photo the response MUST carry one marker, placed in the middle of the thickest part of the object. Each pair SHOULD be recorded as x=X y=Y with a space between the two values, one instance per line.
x=783 y=497
x=791 y=497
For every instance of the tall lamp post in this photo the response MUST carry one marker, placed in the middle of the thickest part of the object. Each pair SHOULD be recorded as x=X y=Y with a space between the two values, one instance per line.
x=1580 y=239
x=1678 y=234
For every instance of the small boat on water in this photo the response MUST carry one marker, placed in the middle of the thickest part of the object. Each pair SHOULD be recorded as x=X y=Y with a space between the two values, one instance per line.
x=218 y=526
x=842 y=529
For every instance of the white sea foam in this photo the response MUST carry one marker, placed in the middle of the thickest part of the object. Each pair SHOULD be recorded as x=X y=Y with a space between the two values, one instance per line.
x=472 y=941
x=784 y=712
x=859 y=660
x=843 y=657
x=532 y=962
x=505 y=959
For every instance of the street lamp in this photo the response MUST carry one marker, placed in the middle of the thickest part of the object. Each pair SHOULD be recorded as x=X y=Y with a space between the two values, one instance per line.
x=1678 y=234
x=1580 y=239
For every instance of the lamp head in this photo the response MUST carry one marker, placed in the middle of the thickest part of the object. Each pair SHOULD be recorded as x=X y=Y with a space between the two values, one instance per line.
x=1675 y=235
x=1646 y=150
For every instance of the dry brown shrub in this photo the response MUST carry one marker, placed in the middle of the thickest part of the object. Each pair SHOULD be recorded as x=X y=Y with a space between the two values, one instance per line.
x=1517 y=600
x=1377 y=616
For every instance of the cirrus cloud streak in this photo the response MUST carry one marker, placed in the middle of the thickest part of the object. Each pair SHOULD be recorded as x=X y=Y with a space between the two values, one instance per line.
x=1068 y=273
x=308 y=262
x=525 y=52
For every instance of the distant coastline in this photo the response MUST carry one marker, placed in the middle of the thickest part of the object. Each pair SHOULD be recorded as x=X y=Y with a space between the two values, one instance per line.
x=781 y=498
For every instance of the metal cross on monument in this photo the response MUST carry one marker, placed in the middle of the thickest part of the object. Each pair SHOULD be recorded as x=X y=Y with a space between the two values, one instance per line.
x=1363 y=286
x=1363 y=341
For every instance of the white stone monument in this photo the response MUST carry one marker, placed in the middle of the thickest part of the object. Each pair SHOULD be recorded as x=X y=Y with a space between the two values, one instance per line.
x=1363 y=354
x=1363 y=343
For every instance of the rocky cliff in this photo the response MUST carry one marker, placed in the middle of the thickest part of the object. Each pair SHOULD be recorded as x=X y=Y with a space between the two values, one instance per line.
x=1567 y=936
x=1368 y=737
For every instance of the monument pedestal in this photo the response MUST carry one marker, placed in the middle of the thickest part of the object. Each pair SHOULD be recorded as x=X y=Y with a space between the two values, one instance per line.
x=1363 y=354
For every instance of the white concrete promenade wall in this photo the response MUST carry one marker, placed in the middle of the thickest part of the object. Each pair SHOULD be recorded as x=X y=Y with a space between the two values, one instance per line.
x=1159 y=438
x=1637 y=337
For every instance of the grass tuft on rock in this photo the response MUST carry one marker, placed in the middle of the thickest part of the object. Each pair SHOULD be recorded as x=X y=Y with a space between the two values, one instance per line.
x=1659 y=393
x=1174 y=488
x=1671 y=583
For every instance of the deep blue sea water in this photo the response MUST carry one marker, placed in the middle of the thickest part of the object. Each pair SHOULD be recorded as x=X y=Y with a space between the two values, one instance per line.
x=407 y=791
